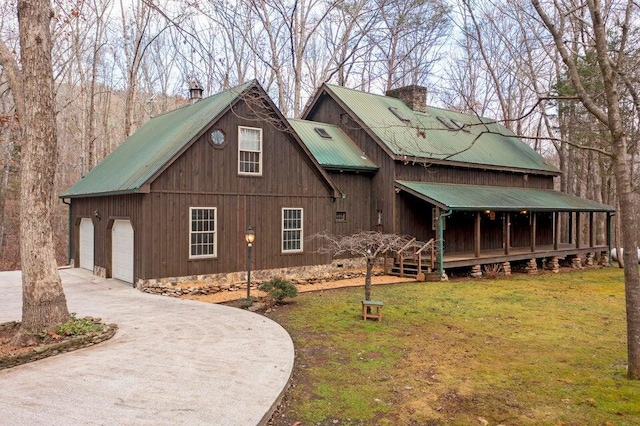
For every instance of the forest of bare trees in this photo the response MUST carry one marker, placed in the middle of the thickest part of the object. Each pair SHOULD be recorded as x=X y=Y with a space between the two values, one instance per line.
x=116 y=63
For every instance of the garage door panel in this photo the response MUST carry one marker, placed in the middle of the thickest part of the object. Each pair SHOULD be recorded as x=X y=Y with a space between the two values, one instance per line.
x=122 y=251
x=86 y=244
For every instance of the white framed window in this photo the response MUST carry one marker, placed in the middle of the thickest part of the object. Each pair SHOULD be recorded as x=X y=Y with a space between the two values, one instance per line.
x=249 y=151
x=203 y=238
x=292 y=232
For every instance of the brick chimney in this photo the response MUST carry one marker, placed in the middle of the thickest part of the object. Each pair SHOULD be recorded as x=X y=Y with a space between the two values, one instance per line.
x=414 y=96
x=195 y=91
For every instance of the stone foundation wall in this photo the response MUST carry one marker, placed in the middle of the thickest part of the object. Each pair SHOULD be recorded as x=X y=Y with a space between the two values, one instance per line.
x=100 y=271
x=235 y=281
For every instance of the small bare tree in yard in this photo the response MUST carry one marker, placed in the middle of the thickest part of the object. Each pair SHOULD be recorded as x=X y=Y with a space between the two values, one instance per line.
x=368 y=244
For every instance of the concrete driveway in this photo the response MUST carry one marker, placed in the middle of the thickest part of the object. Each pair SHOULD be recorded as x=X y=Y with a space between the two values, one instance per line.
x=171 y=362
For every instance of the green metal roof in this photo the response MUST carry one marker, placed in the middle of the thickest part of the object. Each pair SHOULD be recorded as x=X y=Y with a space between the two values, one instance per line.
x=145 y=152
x=481 y=142
x=475 y=197
x=334 y=152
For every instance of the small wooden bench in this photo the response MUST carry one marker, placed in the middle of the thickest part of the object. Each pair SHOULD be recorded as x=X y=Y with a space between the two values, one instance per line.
x=367 y=309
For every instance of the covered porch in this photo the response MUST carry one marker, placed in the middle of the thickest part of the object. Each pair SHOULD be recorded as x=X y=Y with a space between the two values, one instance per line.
x=475 y=225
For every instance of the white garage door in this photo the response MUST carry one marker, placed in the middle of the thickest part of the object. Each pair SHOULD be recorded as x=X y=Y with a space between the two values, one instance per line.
x=86 y=244
x=122 y=250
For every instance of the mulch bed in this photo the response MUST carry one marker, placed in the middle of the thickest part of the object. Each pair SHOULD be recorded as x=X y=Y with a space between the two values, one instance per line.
x=48 y=345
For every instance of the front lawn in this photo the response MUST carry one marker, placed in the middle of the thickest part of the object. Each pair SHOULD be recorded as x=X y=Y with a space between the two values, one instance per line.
x=544 y=350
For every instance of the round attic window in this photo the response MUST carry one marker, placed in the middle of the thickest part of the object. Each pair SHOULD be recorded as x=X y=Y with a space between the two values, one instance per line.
x=217 y=139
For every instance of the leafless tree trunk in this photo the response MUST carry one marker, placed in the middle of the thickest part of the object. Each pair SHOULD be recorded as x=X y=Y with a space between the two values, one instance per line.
x=43 y=301
x=610 y=64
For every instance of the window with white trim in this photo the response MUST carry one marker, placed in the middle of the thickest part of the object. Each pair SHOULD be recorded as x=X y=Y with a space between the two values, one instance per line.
x=203 y=237
x=292 y=232
x=249 y=151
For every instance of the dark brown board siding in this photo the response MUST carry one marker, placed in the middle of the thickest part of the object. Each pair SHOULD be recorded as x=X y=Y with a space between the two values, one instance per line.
x=356 y=203
x=208 y=170
x=415 y=217
x=235 y=213
x=458 y=175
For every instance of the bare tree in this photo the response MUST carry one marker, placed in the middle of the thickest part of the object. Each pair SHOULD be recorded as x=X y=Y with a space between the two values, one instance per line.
x=43 y=301
x=367 y=244
x=610 y=63
x=406 y=40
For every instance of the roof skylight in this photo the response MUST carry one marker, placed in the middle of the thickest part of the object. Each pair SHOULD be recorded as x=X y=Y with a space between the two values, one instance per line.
x=399 y=114
x=322 y=132
x=446 y=123
x=460 y=125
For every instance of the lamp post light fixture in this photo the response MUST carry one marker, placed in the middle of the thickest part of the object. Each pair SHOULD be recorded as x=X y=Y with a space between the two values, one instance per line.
x=249 y=237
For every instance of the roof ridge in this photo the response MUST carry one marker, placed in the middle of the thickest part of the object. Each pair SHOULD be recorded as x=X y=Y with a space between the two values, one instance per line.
x=207 y=98
x=362 y=91
x=477 y=116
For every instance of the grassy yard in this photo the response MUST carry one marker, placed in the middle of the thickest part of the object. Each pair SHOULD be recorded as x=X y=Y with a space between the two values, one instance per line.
x=545 y=350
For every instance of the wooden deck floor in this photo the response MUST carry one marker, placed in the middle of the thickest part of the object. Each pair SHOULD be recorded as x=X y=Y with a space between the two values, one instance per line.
x=456 y=260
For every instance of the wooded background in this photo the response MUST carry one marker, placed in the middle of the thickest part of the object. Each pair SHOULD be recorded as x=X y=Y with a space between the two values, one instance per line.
x=117 y=63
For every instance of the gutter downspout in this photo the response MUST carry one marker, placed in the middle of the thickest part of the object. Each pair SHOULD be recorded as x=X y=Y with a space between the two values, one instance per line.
x=69 y=224
x=441 y=218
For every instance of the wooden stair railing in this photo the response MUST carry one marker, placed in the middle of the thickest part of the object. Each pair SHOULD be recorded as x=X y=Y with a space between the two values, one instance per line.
x=401 y=255
x=431 y=243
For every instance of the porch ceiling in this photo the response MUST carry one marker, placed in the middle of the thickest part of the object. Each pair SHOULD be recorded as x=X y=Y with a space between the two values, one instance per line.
x=476 y=197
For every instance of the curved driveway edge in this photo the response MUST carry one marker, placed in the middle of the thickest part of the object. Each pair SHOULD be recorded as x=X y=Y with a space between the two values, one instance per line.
x=172 y=361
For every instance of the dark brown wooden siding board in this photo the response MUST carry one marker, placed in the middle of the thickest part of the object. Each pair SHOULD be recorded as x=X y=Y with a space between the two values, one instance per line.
x=458 y=234
x=458 y=175
x=356 y=188
x=74 y=233
x=544 y=229
x=146 y=235
x=285 y=168
x=491 y=231
x=170 y=250
x=520 y=230
x=415 y=217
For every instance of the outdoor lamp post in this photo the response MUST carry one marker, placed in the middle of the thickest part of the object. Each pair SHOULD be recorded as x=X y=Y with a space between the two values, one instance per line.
x=249 y=237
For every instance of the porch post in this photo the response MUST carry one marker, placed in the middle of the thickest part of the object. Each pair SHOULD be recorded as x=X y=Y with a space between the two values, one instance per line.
x=534 y=219
x=556 y=232
x=591 y=231
x=570 y=226
x=578 y=230
x=507 y=232
x=477 y=235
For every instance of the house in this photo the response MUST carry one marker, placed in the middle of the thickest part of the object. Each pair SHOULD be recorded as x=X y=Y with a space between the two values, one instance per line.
x=463 y=180
x=175 y=199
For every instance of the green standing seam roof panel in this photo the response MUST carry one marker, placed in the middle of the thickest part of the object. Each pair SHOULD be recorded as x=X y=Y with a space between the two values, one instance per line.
x=485 y=143
x=145 y=152
x=338 y=151
x=475 y=197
